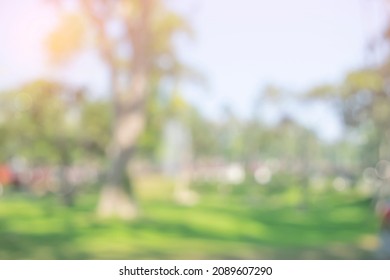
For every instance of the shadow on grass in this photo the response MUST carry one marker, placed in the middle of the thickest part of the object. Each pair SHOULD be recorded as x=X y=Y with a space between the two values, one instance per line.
x=171 y=232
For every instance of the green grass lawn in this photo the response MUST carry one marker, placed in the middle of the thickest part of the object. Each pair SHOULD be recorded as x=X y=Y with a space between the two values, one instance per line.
x=247 y=222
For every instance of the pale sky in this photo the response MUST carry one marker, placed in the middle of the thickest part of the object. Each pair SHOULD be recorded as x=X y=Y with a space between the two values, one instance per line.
x=240 y=46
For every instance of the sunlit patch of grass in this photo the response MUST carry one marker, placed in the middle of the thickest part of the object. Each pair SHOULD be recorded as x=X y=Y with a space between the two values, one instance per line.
x=368 y=242
x=220 y=226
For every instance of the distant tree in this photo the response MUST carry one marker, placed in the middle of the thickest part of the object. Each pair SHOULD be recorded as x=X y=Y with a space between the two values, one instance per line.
x=42 y=121
x=362 y=102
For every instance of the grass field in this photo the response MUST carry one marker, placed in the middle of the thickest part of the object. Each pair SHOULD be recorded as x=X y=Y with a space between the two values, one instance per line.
x=246 y=222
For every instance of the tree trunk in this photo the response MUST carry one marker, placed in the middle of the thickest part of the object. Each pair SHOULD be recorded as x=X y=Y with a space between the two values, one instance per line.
x=117 y=197
x=129 y=118
x=67 y=191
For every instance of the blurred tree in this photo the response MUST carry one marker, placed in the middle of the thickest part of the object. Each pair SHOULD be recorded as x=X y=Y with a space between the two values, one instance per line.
x=94 y=123
x=42 y=125
x=205 y=136
x=362 y=101
x=135 y=41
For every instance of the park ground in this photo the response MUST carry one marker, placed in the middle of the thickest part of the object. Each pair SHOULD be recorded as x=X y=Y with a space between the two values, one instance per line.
x=240 y=222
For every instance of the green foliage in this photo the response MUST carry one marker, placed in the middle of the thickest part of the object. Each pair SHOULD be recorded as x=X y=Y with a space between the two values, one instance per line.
x=51 y=123
x=369 y=80
x=96 y=119
x=362 y=101
x=35 y=121
x=322 y=92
